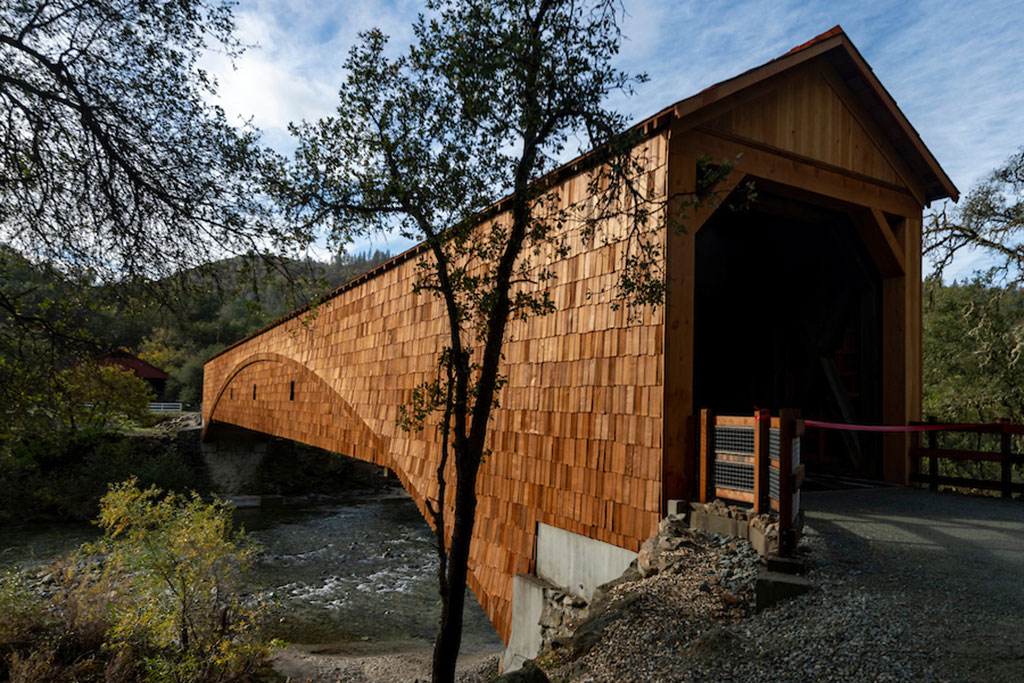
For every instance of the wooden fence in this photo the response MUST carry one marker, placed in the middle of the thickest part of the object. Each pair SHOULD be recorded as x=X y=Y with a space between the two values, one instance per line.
x=1005 y=456
x=741 y=459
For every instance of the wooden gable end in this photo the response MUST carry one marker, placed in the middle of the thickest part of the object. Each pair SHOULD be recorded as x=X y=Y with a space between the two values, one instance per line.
x=808 y=113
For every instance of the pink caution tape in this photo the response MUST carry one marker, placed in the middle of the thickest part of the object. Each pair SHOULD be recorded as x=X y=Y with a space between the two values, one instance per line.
x=938 y=427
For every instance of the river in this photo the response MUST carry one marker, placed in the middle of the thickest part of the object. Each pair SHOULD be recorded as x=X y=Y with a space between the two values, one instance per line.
x=352 y=577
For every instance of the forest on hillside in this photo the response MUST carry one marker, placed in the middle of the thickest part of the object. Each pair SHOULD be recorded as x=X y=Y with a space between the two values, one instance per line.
x=176 y=329
x=973 y=351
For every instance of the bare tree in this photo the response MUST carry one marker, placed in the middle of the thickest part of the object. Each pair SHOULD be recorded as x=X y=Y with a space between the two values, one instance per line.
x=485 y=103
x=118 y=177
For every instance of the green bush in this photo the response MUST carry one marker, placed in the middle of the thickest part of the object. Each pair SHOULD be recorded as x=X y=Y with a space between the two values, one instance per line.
x=157 y=598
x=96 y=395
x=185 y=566
x=64 y=475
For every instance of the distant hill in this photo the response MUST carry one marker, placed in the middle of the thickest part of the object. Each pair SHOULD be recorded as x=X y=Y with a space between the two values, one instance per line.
x=223 y=302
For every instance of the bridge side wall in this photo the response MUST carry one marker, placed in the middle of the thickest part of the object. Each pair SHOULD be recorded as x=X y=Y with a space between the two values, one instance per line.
x=577 y=442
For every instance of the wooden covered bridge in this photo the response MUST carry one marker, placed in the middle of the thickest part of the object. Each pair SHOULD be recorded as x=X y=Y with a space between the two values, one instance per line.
x=810 y=298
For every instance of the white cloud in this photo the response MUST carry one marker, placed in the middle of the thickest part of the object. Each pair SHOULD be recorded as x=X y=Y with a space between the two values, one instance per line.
x=954 y=67
x=294 y=67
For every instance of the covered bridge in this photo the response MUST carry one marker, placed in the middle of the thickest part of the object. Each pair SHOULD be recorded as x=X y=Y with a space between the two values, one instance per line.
x=810 y=298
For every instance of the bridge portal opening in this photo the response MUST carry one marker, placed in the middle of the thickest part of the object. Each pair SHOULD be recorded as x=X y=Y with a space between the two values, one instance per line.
x=787 y=313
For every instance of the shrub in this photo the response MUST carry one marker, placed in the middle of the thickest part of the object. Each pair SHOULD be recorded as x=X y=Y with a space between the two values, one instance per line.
x=24 y=617
x=65 y=475
x=184 y=566
x=96 y=395
x=158 y=598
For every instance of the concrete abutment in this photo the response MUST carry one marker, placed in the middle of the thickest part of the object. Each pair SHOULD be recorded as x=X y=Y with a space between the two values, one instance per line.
x=566 y=563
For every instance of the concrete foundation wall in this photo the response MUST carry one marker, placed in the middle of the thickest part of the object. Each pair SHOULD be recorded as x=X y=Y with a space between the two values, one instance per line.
x=566 y=562
x=233 y=463
x=576 y=563
x=527 y=606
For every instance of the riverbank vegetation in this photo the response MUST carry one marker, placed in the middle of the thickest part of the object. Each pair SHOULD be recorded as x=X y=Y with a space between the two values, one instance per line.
x=71 y=427
x=157 y=598
x=63 y=475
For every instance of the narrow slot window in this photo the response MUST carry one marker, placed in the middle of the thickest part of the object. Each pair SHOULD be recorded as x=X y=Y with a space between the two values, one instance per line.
x=231 y=393
x=254 y=392
x=291 y=392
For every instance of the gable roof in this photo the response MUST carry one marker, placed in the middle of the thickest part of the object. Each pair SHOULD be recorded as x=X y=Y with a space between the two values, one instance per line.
x=126 y=361
x=833 y=45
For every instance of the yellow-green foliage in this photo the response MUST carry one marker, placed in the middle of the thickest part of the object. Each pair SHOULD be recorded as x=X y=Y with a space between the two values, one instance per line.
x=183 y=565
x=165 y=350
x=21 y=612
x=94 y=395
x=158 y=598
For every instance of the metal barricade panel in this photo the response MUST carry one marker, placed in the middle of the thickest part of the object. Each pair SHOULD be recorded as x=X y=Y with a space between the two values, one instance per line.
x=734 y=440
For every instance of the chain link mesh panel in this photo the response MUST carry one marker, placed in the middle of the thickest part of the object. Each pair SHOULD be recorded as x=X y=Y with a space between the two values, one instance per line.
x=739 y=440
x=739 y=476
x=734 y=475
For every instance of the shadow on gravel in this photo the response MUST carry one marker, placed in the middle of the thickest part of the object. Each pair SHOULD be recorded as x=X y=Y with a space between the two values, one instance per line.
x=955 y=561
x=976 y=542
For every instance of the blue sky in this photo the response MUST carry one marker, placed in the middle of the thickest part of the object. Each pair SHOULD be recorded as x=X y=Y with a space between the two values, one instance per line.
x=956 y=68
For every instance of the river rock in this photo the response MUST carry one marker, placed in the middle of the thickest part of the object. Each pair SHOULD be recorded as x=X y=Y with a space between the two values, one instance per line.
x=673 y=526
x=648 y=559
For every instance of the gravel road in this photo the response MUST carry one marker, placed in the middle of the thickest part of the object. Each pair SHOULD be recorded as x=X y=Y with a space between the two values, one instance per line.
x=910 y=586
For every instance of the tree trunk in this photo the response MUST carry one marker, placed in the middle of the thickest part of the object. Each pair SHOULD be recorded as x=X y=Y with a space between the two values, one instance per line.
x=449 y=637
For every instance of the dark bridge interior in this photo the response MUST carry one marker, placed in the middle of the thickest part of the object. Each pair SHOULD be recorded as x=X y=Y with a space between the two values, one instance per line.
x=788 y=315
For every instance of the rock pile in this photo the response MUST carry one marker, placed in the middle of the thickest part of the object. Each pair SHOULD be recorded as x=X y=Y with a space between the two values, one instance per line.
x=561 y=615
x=181 y=422
x=685 y=582
x=732 y=520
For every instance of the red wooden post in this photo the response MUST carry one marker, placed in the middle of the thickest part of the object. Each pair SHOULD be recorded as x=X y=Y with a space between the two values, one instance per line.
x=707 y=445
x=1004 y=447
x=915 y=456
x=787 y=430
x=762 y=460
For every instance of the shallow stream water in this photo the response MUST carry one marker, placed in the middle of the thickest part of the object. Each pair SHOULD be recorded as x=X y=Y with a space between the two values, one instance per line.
x=358 y=577
x=355 y=577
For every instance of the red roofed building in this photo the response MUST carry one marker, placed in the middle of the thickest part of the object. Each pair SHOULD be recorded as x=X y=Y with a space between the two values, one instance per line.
x=154 y=376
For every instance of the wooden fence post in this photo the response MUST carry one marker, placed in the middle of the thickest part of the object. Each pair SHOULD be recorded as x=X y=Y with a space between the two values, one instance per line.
x=787 y=430
x=762 y=460
x=707 y=445
x=933 y=462
x=1004 y=448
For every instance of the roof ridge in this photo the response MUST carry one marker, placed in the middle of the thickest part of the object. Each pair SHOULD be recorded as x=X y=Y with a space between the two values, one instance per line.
x=836 y=30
